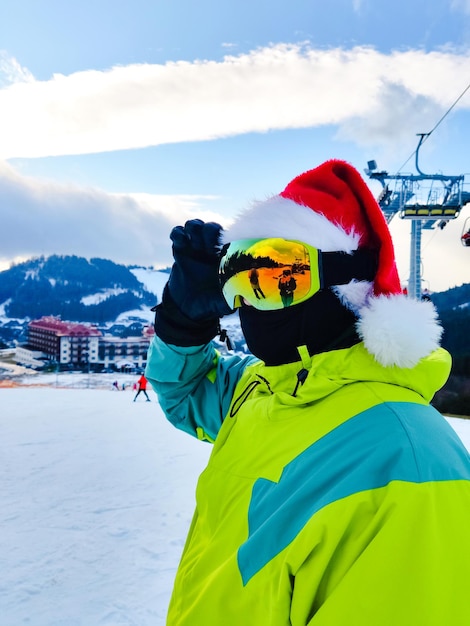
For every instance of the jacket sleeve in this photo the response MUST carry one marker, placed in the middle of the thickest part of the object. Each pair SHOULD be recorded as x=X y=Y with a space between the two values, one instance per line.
x=194 y=385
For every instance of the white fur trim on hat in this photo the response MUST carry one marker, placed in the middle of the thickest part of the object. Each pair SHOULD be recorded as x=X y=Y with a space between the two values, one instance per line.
x=281 y=217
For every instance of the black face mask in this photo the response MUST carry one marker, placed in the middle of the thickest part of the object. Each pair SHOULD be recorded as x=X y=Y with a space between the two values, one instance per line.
x=321 y=323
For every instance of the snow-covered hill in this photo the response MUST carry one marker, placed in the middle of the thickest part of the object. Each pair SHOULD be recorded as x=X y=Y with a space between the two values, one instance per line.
x=75 y=289
x=153 y=280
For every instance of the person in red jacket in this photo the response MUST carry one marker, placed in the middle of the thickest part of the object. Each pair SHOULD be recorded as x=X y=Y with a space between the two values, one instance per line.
x=142 y=387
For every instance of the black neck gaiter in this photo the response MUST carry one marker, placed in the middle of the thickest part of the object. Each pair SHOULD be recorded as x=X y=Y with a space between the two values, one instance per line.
x=321 y=323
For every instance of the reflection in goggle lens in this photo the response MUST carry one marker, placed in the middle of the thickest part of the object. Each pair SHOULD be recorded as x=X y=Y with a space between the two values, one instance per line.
x=269 y=274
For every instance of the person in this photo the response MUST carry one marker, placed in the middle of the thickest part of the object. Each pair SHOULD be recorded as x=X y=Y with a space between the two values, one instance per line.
x=426 y=294
x=287 y=285
x=254 y=282
x=142 y=388
x=466 y=238
x=335 y=493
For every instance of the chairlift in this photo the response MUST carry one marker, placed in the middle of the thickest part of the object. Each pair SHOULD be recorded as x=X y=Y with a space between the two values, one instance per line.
x=465 y=238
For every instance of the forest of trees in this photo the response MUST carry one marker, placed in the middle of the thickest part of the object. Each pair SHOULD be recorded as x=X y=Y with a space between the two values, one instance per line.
x=453 y=307
x=57 y=285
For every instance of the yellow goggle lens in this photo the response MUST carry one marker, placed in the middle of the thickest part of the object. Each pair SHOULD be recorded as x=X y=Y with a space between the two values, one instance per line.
x=269 y=274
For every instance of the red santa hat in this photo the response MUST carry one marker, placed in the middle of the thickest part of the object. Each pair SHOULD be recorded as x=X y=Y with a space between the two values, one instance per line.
x=331 y=208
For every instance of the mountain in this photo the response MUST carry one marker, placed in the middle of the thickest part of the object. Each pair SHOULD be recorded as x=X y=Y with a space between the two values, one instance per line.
x=95 y=291
x=453 y=307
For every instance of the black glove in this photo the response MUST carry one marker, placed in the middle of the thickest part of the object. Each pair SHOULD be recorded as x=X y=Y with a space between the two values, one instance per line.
x=192 y=301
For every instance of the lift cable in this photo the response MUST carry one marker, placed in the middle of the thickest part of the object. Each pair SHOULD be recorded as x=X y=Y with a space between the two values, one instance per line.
x=435 y=230
x=427 y=135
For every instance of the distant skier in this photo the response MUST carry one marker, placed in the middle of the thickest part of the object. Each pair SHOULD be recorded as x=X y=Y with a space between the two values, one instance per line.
x=142 y=388
x=254 y=282
x=287 y=285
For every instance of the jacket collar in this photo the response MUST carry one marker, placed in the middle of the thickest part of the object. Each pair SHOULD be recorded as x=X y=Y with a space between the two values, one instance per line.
x=329 y=371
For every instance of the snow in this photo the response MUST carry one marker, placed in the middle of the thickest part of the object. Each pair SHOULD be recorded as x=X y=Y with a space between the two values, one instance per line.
x=153 y=280
x=145 y=315
x=33 y=274
x=2 y=309
x=97 y=493
x=97 y=496
x=100 y=296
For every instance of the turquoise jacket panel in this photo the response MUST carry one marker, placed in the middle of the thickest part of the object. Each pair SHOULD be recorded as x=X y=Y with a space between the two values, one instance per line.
x=194 y=385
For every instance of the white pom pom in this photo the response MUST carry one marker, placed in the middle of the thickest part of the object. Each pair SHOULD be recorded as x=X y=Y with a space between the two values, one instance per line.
x=355 y=294
x=399 y=330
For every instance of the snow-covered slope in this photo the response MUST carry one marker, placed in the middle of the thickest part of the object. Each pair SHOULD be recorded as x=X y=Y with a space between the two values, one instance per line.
x=153 y=280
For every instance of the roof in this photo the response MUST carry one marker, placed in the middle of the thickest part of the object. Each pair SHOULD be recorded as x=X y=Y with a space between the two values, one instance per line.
x=65 y=329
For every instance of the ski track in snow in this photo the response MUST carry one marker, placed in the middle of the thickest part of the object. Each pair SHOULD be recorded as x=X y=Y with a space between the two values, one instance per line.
x=97 y=494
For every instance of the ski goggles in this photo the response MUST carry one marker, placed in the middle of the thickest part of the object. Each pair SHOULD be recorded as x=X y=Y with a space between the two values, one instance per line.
x=275 y=273
x=269 y=274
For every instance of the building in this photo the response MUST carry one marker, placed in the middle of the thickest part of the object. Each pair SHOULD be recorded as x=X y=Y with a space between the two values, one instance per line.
x=67 y=343
x=30 y=358
x=77 y=346
x=123 y=352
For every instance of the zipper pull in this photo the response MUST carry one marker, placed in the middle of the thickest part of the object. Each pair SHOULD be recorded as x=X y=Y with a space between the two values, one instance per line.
x=223 y=336
x=301 y=378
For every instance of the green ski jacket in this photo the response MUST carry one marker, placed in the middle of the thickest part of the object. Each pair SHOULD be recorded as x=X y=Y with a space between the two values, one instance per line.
x=339 y=499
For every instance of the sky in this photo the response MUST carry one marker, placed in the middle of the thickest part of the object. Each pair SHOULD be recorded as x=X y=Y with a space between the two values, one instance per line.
x=96 y=498
x=120 y=120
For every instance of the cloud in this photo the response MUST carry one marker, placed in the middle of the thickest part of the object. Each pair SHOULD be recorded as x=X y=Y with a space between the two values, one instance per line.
x=460 y=5
x=63 y=219
x=357 y=5
x=11 y=71
x=385 y=123
x=278 y=87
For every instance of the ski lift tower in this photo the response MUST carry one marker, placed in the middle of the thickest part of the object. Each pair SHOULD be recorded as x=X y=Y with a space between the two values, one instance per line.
x=429 y=201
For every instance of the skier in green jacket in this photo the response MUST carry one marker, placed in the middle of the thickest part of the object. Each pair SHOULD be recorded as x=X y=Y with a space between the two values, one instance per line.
x=335 y=495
